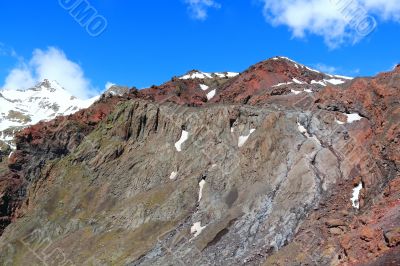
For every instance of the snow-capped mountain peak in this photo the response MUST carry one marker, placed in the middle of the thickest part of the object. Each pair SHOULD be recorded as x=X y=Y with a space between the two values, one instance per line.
x=47 y=100
x=51 y=86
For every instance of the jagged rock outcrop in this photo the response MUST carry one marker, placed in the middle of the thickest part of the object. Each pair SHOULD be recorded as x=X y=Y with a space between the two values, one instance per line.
x=275 y=166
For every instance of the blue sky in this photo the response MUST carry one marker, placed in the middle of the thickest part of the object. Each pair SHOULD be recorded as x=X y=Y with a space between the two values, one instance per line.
x=148 y=42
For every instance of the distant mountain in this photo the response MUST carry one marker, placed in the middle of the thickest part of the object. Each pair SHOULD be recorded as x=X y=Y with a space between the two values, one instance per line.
x=45 y=101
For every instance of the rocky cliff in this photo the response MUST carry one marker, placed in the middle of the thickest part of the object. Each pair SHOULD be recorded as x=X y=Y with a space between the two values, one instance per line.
x=280 y=165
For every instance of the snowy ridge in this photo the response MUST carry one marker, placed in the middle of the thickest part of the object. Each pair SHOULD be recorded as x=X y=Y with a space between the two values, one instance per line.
x=45 y=101
x=203 y=75
x=330 y=80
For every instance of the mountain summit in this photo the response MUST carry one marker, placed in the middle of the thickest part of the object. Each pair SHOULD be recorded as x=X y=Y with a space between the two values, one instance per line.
x=45 y=101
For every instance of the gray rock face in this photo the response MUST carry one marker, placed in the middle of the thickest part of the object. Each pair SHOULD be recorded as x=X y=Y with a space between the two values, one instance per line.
x=117 y=90
x=117 y=187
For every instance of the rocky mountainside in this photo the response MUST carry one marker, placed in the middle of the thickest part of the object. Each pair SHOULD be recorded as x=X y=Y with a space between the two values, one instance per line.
x=45 y=101
x=278 y=165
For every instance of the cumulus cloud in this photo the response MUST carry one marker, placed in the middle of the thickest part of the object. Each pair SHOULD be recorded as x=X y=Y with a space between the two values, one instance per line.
x=337 y=21
x=19 y=78
x=199 y=8
x=50 y=64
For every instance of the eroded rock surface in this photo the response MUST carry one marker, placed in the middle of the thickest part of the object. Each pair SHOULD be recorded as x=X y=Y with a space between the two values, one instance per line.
x=262 y=172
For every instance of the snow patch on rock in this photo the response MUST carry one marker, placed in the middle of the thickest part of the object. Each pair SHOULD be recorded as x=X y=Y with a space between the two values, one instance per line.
x=173 y=175
x=355 y=199
x=296 y=92
x=204 y=87
x=353 y=117
x=350 y=119
x=243 y=139
x=184 y=137
x=201 y=187
x=341 y=77
x=335 y=81
x=297 y=81
x=196 y=229
x=304 y=131
x=211 y=94
x=226 y=74
x=197 y=75
x=282 y=84
x=318 y=82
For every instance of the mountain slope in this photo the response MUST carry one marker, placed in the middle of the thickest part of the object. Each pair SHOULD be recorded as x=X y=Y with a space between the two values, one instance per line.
x=169 y=176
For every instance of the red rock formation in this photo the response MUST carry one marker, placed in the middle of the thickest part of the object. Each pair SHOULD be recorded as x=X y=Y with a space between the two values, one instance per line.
x=257 y=83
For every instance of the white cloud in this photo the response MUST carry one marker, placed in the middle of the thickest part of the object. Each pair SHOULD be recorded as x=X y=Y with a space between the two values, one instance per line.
x=336 y=70
x=337 y=21
x=19 y=78
x=109 y=85
x=325 y=68
x=7 y=51
x=50 y=64
x=387 y=9
x=199 y=8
